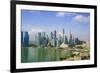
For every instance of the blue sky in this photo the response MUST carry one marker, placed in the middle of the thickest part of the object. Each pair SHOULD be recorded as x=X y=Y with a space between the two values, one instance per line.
x=47 y=21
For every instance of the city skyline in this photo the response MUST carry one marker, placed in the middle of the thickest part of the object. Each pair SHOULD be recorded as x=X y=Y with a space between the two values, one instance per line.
x=47 y=21
x=51 y=39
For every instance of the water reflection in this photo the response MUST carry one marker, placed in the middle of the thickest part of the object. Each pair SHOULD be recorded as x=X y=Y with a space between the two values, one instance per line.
x=31 y=54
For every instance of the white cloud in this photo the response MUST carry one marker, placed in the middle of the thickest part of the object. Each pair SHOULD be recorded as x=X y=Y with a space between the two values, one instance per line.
x=60 y=14
x=82 y=19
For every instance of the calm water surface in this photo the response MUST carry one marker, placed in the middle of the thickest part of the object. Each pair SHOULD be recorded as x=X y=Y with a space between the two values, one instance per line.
x=31 y=54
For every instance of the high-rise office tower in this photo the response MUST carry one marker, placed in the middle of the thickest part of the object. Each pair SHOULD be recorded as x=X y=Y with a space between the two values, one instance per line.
x=70 y=39
x=58 y=43
x=55 y=37
x=36 y=39
x=51 y=35
x=77 y=41
x=73 y=41
x=43 y=38
x=65 y=40
x=47 y=39
x=63 y=34
x=51 y=38
x=21 y=38
x=60 y=39
x=26 y=39
x=43 y=34
x=55 y=34
x=39 y=38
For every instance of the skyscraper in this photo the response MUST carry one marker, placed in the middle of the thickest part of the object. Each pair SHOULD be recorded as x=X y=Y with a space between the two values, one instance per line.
x=55 y=37
x=47 y=40
x=43 y=39
x=77 y=41
x=70 y=39
x=51 y=35
x=43 y=34
x=39 y=38
x=63 y=34
x=26 y=39
x=21 y=39
x=60 y=39
x=65 y=40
